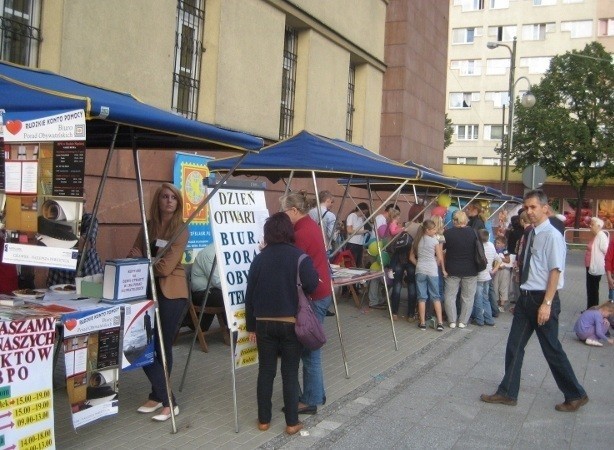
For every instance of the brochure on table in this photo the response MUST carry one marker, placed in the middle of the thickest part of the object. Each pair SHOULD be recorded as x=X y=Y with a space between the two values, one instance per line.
x=42 y=159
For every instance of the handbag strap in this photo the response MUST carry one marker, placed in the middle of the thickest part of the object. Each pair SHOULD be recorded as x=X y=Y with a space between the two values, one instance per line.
x=298 y=269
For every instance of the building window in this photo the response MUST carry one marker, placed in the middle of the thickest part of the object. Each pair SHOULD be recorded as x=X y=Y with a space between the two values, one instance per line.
x=493 y=132
x=463 y=99
x=470 y=5
x=288 y=84
x=349 y=119
x=462 y=160
x=188 y=54
x=465 y=35
x=606 y=27
x=466 y=132
x=578 y=28
x=499 y=4
x=504 y=33
x=19 y=31
x=573 y=1
x=544 y=2
x=470 y=67
x=497 y=66
x=498 y=98
x=536 y=65
x=537 y=31
x=491 y=161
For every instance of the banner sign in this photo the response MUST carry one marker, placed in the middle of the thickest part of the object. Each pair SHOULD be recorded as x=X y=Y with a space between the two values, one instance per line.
x=138 y=347
x=91 y=355
x=188 y=175
x=33 y=126
x=26 y=383
x=40 y=256
x=237 y=218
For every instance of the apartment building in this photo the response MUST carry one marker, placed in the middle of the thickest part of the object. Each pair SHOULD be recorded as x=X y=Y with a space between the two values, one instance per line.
x=478 y=76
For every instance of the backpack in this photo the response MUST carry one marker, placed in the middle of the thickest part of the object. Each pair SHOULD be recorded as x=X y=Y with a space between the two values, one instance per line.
x=403 y=242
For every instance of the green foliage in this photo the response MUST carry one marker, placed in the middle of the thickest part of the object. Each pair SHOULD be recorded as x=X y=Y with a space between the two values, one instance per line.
x=448 y=131
x=570 y=130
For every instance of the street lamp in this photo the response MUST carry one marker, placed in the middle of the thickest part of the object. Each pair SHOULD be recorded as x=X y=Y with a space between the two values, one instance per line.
x=528 y=100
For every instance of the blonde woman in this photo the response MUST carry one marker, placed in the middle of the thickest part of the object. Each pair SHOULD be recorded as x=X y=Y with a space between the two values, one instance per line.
x=171 y=287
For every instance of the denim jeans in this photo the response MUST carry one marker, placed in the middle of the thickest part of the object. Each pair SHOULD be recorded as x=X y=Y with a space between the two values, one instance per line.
x=171 y=312
x=468 y=286
x=277 y=339
x=482 y=313
x=313 y=378
x=524 y=324
x=400 y=269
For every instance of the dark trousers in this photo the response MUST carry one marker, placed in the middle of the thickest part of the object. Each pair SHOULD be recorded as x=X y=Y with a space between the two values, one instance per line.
x=592 y=289
x=171 y=313
x=524 y=324
x=402 y=270
x=356 y=250
x=277 y=339
x=215 y=299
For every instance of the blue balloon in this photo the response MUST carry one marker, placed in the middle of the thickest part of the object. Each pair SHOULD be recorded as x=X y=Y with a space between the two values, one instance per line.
x=448 y=218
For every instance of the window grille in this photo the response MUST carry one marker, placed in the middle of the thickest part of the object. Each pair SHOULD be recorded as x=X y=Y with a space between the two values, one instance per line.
x=349 y=120
x=19 y=33
x=288 y=84
x=188 y=55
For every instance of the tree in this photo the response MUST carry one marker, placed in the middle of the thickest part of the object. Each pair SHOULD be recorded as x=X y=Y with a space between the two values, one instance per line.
x=448 y=131
x=570 y=130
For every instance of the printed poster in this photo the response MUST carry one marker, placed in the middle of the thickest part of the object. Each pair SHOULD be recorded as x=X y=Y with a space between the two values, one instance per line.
x=188 y=175
x=237 y=218
x=33 y=126
x=26 y=382
x=139 y=332
x=92 y=361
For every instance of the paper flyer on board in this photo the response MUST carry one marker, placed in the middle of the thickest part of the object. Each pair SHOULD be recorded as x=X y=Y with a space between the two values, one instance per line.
x=26 y=383
x=139 y=329
x=91 y=355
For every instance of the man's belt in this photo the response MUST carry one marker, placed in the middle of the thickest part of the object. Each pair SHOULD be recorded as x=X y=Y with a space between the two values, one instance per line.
x=532 y=293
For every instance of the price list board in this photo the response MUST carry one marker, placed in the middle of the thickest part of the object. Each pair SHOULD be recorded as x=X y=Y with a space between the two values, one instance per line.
x=68 y=169
x=108 y=348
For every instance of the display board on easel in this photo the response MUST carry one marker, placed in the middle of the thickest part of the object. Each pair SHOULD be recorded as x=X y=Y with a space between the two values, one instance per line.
x=238 y=212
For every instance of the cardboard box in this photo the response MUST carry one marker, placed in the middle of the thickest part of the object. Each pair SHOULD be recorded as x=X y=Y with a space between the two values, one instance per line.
x=125 y=279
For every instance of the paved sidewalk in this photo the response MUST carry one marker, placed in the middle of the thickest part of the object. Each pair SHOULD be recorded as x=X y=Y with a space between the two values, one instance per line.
x=426 y=394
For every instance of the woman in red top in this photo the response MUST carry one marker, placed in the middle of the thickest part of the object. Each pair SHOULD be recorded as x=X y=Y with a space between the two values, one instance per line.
x=308 y=237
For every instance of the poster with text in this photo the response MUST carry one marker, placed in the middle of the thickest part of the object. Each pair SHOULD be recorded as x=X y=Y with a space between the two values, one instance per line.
x=188 y=175
x=139 y=329
x=237 y=219
x=26 y=383
x=92 y=359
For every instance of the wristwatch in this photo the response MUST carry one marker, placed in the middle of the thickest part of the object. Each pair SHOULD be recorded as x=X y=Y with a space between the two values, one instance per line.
x=548 y=302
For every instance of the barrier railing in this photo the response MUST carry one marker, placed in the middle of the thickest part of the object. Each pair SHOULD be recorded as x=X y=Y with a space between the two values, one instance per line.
x=579 y=237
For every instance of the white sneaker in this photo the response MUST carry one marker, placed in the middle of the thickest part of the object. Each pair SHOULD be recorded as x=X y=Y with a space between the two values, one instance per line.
x=462 y=325
x=452 y=325
x=593 y=343
x=501 y=309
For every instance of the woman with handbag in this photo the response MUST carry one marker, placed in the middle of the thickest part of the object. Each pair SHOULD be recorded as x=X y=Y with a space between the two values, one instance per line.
x=460 y=247
x=271 y=304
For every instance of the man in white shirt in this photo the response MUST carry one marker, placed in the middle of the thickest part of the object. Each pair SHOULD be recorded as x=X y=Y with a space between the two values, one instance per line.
x=324 y=214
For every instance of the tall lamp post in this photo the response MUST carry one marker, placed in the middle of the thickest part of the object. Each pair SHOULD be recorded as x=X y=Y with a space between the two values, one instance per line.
x=528 y=100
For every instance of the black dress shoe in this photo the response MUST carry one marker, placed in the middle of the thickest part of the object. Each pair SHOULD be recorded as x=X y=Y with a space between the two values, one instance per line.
x=329 y=313
x=311 y=410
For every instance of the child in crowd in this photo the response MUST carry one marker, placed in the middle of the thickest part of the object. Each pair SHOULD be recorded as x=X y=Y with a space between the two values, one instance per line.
x=593 y=324
x=482 y=311
x=503 y=275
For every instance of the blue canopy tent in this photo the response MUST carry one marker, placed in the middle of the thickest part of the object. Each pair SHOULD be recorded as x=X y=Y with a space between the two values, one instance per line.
x=115 y=119
x=27 y=90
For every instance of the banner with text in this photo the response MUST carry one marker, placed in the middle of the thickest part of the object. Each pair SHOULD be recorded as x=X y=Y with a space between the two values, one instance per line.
x=41 y=126
x=26 y=382
x=237 y=219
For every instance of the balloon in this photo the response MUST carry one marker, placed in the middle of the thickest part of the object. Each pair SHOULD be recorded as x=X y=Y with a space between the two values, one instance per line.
x=444 y=200
x=372 y=248
x=376 y=267
x=439 y=211
x=385 y=259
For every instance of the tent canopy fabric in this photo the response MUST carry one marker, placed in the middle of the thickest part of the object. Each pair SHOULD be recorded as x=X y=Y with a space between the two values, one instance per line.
x=25 y=89
x=307 y=152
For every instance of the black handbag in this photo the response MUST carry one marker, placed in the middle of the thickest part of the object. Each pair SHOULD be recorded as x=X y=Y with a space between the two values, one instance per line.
x=479 y=256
